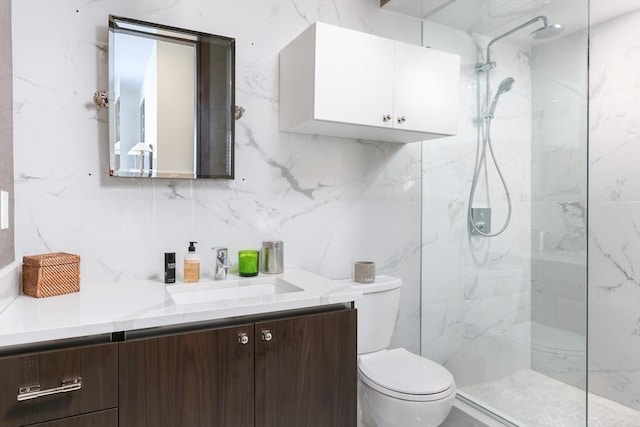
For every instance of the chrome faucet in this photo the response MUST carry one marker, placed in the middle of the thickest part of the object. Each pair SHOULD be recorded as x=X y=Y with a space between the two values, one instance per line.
x=222 y=263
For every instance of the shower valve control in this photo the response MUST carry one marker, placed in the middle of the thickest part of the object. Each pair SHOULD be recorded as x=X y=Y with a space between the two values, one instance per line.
x=481 y=218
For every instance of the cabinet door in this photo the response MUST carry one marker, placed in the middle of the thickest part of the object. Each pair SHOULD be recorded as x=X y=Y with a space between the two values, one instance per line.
x=108 y=418
x=93 y=368
x=193 y=379
x=306 y=373
x=426 y=90
x=354 y=77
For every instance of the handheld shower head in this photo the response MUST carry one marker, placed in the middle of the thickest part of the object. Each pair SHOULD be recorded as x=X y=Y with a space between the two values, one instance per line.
x=504 y=87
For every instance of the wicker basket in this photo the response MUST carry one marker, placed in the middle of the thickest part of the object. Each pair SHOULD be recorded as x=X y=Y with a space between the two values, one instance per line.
x=51 y=274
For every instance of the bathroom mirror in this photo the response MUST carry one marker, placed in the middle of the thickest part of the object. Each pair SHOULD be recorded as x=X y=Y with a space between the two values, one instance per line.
x=171 y=97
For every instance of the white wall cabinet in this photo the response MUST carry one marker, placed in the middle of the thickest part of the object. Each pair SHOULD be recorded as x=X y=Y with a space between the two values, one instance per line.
x=339 y=82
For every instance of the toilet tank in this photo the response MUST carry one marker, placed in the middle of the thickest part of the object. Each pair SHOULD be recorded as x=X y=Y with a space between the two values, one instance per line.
x=377 y=312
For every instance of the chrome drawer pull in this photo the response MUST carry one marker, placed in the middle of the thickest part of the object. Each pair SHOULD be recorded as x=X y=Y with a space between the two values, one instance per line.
x=33 y=391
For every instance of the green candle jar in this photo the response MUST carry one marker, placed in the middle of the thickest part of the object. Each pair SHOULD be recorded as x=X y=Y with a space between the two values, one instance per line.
x=248 y=263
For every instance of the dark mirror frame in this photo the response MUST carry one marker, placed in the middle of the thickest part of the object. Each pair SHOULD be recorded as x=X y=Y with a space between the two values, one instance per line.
x=215 y=114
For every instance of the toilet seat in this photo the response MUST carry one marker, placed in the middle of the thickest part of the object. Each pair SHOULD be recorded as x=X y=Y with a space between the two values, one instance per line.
x=403 y=375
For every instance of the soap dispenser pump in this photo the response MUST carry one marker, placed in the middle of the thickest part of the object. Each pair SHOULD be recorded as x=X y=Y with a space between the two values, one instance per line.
x=191 y=264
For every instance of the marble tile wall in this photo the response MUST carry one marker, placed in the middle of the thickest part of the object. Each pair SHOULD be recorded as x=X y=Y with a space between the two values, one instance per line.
x=332 y=201
x=614 y=210
x=475 y=291
x=558 y=217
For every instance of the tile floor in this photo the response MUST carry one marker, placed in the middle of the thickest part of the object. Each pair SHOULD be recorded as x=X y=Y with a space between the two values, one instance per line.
x=532 y=399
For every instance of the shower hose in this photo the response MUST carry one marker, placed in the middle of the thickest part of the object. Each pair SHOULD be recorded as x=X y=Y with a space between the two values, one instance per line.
x=480 y=160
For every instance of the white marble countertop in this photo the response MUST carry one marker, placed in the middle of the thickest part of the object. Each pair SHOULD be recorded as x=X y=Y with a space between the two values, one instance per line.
x=126 y=306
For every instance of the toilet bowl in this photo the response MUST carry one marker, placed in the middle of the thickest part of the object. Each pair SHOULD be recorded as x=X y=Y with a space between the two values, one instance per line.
x=396 y=388
x=399 y=389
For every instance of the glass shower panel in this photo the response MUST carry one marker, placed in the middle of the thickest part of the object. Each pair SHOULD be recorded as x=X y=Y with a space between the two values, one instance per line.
x=614 y=215
x=558 y=227
x=507 y=314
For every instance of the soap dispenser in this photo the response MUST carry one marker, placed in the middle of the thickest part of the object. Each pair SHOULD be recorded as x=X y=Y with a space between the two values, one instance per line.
x=191 y=264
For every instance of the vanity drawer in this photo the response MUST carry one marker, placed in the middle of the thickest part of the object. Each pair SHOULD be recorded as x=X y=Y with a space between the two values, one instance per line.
x=94 y=367
x=108 y=418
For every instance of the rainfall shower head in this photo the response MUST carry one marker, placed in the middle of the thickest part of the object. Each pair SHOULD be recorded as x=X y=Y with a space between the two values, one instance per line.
x=504 y=87
x=547 y=32
x=544 y=32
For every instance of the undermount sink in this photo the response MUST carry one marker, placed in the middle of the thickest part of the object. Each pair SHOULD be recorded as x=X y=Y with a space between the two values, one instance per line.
x=230 y=290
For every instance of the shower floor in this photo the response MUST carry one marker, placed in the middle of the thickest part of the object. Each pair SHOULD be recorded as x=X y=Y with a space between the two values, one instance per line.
x=532 y=399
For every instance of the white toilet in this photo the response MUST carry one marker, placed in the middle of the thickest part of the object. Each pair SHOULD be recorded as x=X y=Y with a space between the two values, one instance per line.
x=396 y=388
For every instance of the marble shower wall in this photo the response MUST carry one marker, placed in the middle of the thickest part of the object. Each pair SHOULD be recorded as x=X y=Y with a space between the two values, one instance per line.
x=558 y=217
x=332 y=201
x=475 y=292
x=614 y=210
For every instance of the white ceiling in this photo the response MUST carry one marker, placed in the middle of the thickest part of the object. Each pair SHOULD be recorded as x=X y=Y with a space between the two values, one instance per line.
x=132 y=54
x=495 y=17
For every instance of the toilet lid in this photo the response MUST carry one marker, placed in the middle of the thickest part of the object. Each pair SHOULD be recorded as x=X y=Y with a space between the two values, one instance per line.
x=403 y=372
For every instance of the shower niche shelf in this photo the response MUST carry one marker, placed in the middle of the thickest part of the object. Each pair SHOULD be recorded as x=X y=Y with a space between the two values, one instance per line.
x=340 y=82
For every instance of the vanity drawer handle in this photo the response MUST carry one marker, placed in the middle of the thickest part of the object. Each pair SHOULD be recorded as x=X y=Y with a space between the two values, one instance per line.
x=243 y=338
x=33 y=391
x=266 y=335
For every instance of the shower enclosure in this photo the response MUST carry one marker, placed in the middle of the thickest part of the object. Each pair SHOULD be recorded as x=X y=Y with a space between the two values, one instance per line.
x=537 y=317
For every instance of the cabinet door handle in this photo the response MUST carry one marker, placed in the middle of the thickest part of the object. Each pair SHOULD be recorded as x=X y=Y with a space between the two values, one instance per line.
x=266 y=335
x=386 y=117
x=402 y=119
x=243 y=338
x=33 y=391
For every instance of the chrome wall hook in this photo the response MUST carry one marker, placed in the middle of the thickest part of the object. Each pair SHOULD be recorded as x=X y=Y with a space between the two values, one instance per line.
x=101 y=99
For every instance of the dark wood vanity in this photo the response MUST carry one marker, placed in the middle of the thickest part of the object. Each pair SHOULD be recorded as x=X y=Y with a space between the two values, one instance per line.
x=295 y=369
